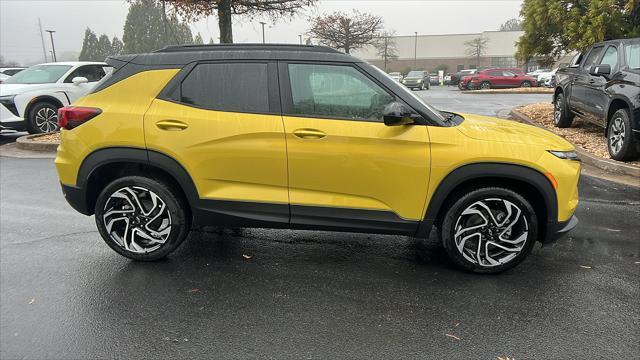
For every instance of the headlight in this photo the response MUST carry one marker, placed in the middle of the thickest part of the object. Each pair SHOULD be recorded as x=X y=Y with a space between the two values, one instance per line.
x=566 y=155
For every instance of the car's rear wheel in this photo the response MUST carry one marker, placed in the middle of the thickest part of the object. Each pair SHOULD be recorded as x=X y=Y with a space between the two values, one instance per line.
x=620 y=139
x=485 y=85
x=525 y=84
x=42 y=118
x=142 y=218
x=489 y=230
x=561 y=116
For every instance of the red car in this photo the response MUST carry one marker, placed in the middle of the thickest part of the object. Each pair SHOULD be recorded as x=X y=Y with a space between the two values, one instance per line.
x=500 y=78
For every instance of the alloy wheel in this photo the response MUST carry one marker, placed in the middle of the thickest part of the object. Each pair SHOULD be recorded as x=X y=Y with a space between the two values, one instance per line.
x=47 y=119
x=137 y=219
x=491 y=232
x=558 y=111
x=485 y=86
x=616 y=135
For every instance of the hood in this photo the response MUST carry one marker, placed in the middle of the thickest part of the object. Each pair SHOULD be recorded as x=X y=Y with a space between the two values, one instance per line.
x=15 y=89
x=508 y=131
x=414 y=78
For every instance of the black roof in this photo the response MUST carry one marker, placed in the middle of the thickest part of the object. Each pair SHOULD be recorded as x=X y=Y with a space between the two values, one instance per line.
x=184 y=54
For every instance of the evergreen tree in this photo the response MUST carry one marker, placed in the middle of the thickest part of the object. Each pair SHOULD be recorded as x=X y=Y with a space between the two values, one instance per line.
x=104 y=48
x=147 y=28
x=116 y=46
x=89 y=50
x=198 y=39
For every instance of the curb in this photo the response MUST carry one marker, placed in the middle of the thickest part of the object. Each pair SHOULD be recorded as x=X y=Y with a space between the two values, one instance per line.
x=598 y=162
x=27 y=143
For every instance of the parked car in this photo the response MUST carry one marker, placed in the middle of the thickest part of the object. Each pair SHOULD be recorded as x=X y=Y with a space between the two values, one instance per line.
x=602 y=86
x=31 y=98
x=434 y=79
x=304 y=137
x=547 y=79
x=11 y=71
x=396 y=76
x=534 y=74
x=500 y=78
x=465 y=77
x=417 y=79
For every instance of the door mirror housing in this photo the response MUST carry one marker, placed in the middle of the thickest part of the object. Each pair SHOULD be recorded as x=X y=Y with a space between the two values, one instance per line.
x=600 y=70
x=79 y=80
x=398 y=114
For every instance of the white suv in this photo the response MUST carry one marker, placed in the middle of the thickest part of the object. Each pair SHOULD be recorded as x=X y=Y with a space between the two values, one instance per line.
x=30 y=99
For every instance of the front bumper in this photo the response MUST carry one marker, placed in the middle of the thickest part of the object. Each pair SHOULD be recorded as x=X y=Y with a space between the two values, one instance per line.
x=8 y=120
x=556 y=231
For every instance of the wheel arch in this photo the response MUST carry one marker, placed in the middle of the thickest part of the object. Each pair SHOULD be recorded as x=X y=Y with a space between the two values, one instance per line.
x=39 y=99
x=530 y=183
x=105 y=165
x=616 y=104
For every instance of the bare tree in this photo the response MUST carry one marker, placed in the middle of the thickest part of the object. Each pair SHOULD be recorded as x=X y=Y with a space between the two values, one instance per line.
x=386 y=46
x=224 y=9
x=346 y=31
x=476 y=48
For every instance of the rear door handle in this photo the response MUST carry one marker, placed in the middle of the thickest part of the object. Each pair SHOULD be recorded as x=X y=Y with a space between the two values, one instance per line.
x=309 y=134
x=171 y=125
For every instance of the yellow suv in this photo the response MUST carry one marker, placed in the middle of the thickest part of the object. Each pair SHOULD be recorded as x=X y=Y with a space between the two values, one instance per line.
x=304 y=137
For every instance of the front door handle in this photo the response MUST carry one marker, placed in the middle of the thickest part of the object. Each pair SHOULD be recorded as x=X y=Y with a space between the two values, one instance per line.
x=309 y=134
x=171 y=125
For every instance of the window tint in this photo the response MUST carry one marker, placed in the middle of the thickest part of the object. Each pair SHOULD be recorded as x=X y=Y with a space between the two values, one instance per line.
x=240 y=87
x=592 y=57
x=494 y=73
x=508 y=73
x=610 y=58
x=93 y=73
x=337 y=92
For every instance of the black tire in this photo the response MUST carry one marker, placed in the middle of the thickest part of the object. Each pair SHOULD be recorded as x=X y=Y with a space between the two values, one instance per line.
x=485 y=85
x=526 y=84
x=620 y=140
x=469 y=85
x=179 y=220
x=42 y=118
x=561 y=116
x=492 y=196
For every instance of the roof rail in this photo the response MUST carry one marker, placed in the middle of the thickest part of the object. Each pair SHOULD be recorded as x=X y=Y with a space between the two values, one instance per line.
x=231 y=47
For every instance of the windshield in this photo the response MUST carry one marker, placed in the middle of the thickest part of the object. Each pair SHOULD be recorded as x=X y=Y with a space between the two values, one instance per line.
x=633 y=56
x=405 y=90
x=415 y=73
x=39 y=74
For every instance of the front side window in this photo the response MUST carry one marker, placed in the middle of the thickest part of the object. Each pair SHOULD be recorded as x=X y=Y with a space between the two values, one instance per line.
x=235 y=87
x=592 y=57
x=93 y=73
x=337 y=92
x=39 y=74
x=610 y=58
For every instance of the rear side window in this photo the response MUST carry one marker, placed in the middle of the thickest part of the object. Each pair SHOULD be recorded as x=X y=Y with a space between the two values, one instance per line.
x=236 y=87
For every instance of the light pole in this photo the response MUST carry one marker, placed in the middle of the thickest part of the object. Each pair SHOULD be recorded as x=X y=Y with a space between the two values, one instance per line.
x=300 y=36
x=415 y=51
x=52 y=45
x=262 y=23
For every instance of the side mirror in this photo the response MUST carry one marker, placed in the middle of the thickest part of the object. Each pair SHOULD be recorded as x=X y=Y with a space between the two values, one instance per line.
x=600 y=70
x=79 y=80
x=398 y=114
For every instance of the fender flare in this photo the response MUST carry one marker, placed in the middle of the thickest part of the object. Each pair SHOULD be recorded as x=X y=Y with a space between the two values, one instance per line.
x=43 y=98
x=172 y=167
x=481 y=171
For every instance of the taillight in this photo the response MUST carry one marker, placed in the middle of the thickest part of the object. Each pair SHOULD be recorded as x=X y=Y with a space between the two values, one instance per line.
x=72 y=116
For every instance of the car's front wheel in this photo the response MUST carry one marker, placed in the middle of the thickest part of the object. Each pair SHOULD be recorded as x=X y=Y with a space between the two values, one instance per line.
x=489 y=230
x=142 y=218
x=620 y=139
x=42 y=118
x=561 y=116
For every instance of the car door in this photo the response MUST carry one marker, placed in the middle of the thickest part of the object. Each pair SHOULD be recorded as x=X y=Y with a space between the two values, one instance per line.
x=347 y=169
x=221 y=122
x=496 y=78
x=596 y=98
x=93 y=73
x=581 y=79
x=510 y=79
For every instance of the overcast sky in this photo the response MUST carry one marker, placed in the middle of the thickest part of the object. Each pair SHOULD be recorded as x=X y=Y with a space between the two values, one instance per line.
x=20 y=37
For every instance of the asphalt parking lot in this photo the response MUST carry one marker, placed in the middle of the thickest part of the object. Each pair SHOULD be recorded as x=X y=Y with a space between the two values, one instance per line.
x=303 y=294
